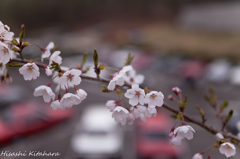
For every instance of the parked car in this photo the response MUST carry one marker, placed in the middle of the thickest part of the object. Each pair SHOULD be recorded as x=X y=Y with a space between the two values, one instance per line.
x=24 y=118
x=152 y=140
x=97 y=135
x=218 y=70
x=235 y=75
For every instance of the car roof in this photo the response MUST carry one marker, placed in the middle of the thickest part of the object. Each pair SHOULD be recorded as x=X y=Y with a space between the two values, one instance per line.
x=97 y=117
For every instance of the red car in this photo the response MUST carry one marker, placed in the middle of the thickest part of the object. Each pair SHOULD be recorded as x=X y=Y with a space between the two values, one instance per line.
x=152 y=138
x=25 y=118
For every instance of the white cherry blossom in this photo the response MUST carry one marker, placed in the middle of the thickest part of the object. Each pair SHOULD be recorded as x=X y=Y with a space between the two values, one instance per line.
x=132 y=78
x=55 y=105
x=12 y=53
x=150 y=111
x=55 y=58
x=44 y=91
x=6 y=27
x=56 y=78
x=68 y=100
x=198 y=156
x=138 y=111
x=63 y=87
x=55 y=73
x=136 y=95
x=175 y=140
x=227 y=149
x=120 y=115
x=117 y=80
x=111 y=105
x=154 y=99
x=5 y=54
x=48 y=71
x=5 y=34
x=130 y=119
x=70 y=77
x=46 y=52
x=125 y=69
x=142 y=117
x=81 y=93
x=184 y=131
x=29 y=71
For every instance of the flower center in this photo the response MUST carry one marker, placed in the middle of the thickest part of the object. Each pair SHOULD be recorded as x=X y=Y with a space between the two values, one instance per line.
x=70 y=77
x=30 y=68
x=228 y=147
x=138 y=93
x=5 y=50
x=131 y=80
x=153 y=96
x=2 y=34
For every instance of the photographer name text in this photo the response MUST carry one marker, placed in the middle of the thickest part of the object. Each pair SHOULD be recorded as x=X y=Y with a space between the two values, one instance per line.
x=7 y=153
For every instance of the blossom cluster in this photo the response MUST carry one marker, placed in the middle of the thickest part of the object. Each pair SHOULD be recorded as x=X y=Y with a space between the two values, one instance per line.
x=6 y=52
x=137 y=98
x=64 y=78
x=120 y=77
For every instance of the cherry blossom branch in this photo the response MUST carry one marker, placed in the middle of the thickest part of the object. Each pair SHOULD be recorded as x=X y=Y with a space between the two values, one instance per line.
x=20 y=52
x=148 y=99
x=190 y=119
x=26 y=61
x=97 y=79
x=197 y=122
x=166 y=106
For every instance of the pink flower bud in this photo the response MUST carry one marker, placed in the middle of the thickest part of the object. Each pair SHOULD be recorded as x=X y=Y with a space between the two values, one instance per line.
x=170 y=97
x=176 y=90
x=170 y=135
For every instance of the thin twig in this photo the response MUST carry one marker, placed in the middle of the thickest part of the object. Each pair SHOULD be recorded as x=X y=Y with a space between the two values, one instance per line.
x=26 y=61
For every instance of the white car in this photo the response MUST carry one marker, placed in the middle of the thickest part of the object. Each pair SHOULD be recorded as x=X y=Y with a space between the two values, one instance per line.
x=218 y=70
x=97 y=135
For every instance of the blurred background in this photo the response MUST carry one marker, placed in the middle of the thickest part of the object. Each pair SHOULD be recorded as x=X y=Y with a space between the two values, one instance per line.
x=192 y=44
